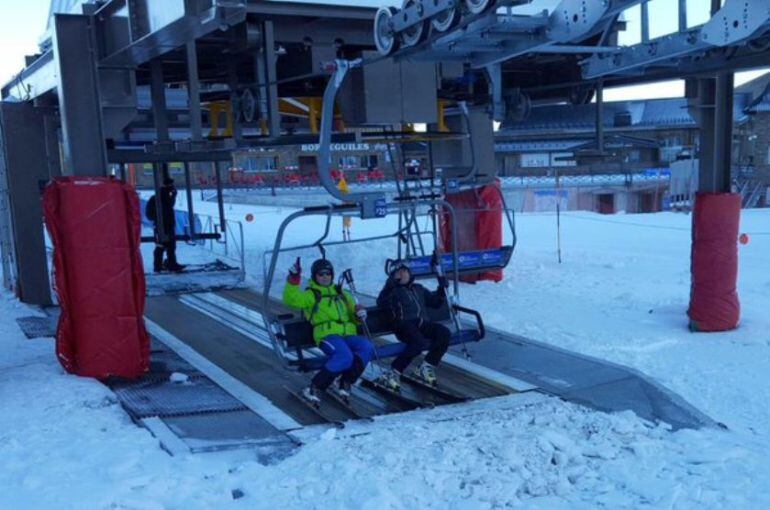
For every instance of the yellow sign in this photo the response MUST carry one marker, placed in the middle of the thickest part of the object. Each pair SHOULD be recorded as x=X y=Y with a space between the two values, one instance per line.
x=343 y=186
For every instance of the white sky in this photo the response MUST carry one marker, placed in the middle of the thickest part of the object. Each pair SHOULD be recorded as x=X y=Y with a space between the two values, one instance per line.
x=20 y=30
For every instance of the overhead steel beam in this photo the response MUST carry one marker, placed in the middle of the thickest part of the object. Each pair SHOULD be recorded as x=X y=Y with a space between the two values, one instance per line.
x=736 y=22
x=570 y=21
x=148 y=42
x=294 y=9
x=497 y=37
x=323 y=31
x=138 y=156
x=34 y=81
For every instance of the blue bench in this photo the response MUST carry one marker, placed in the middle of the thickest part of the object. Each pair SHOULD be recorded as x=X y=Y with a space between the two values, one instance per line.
x=475 y=261
x=297 y=333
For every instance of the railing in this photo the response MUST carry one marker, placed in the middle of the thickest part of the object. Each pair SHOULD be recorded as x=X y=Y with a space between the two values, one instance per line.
x=231 y=243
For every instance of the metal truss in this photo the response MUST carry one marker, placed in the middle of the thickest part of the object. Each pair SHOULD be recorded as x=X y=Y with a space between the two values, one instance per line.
x=448 y=30
x=133 y=32
x=737 y=23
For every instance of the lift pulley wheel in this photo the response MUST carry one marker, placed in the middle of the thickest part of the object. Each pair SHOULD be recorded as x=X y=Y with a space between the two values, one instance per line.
x=446 y=20
x=478 y=6
x=384 y=38
x=417 y=33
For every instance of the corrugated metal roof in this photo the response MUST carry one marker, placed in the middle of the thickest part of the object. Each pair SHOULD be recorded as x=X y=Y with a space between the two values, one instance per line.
x=651 y=113
x=538 y=146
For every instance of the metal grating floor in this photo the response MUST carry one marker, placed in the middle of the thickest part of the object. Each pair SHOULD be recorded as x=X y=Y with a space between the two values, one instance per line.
x=38 y=327
x=196 y=415
x=157 y=396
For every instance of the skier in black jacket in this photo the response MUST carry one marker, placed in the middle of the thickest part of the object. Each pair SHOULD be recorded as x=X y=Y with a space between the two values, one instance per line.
x=407 y=302
x=167 y=202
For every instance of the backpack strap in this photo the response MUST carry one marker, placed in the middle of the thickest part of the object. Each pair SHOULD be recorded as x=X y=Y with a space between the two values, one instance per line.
x=319 y=297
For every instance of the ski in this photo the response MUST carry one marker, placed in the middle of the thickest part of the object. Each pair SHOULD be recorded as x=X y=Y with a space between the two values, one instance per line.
x=316 y=408
x=347 y=403
x=404 y=395
x=437 y=390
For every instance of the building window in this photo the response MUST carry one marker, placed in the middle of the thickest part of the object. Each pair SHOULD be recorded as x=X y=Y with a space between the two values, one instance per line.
x=253 y=164
x=535 y=160
x=563 y=159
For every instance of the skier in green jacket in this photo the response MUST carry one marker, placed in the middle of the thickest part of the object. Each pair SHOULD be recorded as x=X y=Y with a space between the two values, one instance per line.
x=335 y=317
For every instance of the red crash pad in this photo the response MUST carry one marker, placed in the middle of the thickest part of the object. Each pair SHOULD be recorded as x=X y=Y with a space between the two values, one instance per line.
x=95 y=224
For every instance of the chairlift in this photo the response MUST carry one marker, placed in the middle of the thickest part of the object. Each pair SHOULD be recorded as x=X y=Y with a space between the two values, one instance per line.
x=292 y=334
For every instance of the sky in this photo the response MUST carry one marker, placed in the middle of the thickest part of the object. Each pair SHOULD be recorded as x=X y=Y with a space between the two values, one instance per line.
x=20 y=32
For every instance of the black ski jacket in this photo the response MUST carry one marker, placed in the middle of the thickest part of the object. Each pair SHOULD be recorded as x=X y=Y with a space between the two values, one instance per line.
x=409 y=302
x=167 y=202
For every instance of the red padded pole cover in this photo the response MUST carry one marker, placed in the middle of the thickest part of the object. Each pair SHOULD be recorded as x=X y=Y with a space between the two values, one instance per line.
x=714 y=304
x=95 y=226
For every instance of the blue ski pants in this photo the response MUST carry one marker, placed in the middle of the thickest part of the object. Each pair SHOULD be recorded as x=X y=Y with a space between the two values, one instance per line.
x=341 y=350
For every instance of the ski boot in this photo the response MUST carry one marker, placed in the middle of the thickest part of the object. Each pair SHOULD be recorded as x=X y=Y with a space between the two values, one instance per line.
x=390 y=379
x=341 y=390
x=311 y=395
x=174 y=267
x=427 y=373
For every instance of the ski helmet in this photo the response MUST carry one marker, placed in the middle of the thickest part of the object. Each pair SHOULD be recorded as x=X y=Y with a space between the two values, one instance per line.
x=321 y=265
x=399 y=264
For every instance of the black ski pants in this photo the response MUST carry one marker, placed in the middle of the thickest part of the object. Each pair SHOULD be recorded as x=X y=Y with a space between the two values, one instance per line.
x=427 y=336
x=169 y=247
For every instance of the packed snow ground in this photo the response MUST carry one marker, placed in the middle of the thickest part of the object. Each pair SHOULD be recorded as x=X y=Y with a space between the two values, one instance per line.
x=620 y=294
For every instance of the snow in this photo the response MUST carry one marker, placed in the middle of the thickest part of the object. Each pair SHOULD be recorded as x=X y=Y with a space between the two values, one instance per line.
x=620 y=294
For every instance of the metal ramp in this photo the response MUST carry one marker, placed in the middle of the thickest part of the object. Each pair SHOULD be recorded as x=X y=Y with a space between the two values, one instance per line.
x=584 y=380
x=529 y=365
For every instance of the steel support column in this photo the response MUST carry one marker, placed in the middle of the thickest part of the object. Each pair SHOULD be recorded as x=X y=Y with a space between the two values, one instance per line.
x=23 y=168
x=193 y=93
x=600 y=117
x=160 y=119
x=266 y=72
x=79 y=98
x=723 y=132
x=682 y=15
x=158 y=95
x=716 y=126
x=232 y=83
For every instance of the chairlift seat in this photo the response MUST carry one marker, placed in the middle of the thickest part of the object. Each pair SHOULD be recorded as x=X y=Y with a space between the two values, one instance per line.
x=298 y=334
x=468 y=262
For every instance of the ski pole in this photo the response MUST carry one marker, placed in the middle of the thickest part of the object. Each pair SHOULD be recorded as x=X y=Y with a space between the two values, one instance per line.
x=347 y=277
x=438 y=268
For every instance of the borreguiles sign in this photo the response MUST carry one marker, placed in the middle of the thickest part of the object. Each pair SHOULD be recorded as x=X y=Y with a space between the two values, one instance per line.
x=344 y=147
